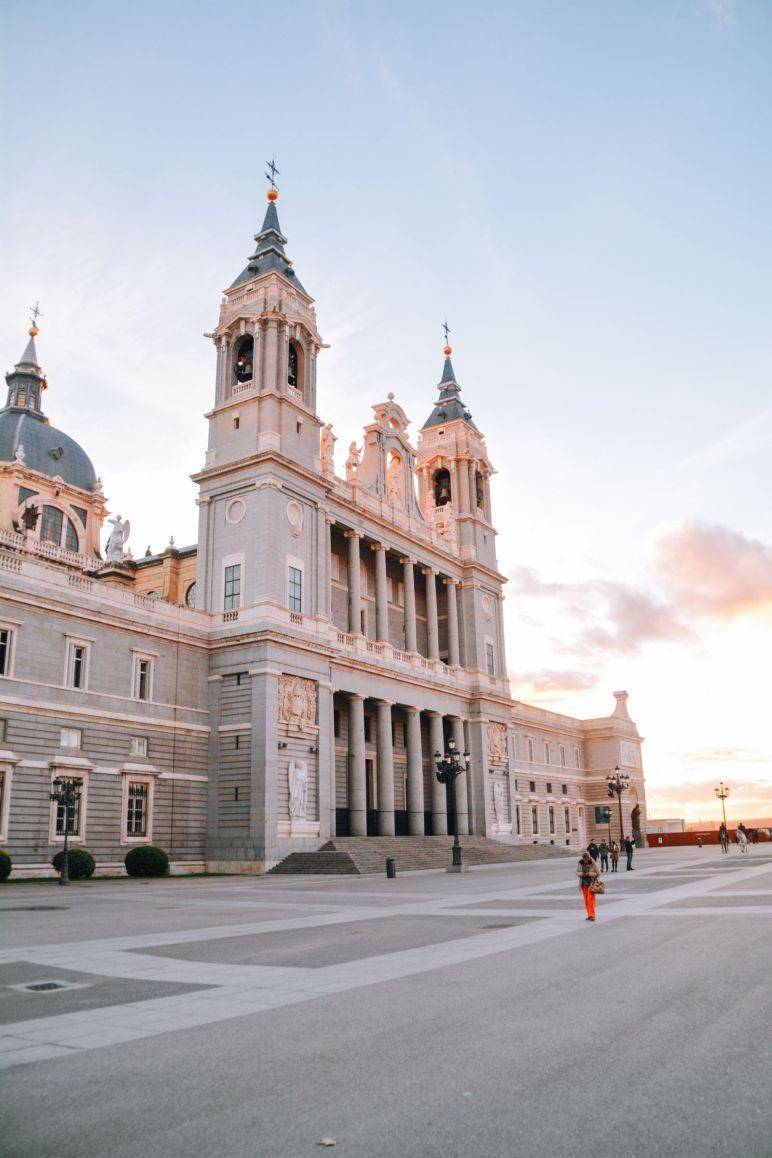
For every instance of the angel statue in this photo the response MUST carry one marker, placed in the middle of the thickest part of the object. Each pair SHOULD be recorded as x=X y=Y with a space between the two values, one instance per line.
x=114 y=552
x=353 y=461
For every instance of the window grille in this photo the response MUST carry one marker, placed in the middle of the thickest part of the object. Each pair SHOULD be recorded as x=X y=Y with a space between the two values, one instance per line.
x=136 y=812
x=232 y=586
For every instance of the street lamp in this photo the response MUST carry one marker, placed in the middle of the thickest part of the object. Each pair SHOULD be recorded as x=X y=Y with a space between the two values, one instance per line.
x=66 y=793
x=453 y=764
x=617 y=784
x=722 y=792
x=607 y=818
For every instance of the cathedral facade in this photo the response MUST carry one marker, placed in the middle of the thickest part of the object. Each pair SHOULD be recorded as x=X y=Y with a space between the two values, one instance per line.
x=291 y=676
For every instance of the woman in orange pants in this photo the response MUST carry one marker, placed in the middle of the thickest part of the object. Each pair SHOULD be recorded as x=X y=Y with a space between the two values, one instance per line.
x=587 y=871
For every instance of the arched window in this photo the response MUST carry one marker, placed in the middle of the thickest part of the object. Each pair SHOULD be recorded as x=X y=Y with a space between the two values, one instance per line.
x=479 y=487
x=56 y=528
x=293 y=366
x=242 y=366
x=441 y=488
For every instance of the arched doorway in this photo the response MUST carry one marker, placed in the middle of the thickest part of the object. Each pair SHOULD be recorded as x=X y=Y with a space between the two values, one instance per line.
x=635 y=820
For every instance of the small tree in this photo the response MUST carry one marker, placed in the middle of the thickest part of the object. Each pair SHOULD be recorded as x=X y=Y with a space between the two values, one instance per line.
x=147 y=861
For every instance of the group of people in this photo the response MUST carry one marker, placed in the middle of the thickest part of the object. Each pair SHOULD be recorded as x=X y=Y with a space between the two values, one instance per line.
x=741 y=835
x=594 y=861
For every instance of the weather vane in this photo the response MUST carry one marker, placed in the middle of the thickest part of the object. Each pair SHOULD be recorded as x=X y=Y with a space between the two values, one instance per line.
x=272 y=175
x=35 y=313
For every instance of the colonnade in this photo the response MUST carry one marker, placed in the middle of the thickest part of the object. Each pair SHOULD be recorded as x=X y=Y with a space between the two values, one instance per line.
x=409 y=565
x=416 y=804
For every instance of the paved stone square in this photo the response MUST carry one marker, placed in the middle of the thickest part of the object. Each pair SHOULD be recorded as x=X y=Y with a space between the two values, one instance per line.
x=434 y=1014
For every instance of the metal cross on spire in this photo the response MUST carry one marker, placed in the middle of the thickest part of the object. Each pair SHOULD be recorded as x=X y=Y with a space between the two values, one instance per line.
x=35 y=313
x=446 y=328
x=272 y=175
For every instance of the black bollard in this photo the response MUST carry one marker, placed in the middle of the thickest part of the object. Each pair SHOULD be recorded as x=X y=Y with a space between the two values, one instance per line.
x=391 y=868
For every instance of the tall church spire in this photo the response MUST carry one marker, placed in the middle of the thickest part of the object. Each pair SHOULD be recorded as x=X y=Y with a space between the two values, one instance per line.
x=269 y=253
x=27 y=381
x=448 y=406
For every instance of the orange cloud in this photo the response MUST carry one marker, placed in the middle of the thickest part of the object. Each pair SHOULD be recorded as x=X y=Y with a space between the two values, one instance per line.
x=711 y=570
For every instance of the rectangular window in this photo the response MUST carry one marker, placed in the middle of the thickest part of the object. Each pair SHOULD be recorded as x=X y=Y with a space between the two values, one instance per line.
x=74 y=815
x=25 y=493
x=363 y=620
x=577 y=760
x=531 y=785
x=562 y=756
x=3 y=729
x=335 y=567
x=546 y=752
x=142 y=681
x=368 y=729
x=138 y=746
x=490 y=659
x=136 y=811
x=552 y=821
x=530 y=750
x=549 y=787
x=70 y=738
x=602 y=813
x=565 y=789
x=6 y=650
x=517 y=818
x=567 y=820
x=77 y=665
x=516 y=789
x=295 y=589
x=51 y=525
x=232 y=590
x=535 y=819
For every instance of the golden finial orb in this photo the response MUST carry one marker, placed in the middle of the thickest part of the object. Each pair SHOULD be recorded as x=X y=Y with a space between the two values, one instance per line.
x=273 y=194
x=447 y=351
x=33 y=331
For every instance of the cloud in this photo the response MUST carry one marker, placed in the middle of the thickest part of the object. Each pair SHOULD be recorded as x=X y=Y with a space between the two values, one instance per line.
x=617 y=618
x=713 y=570
x=551 y=681
x=723 y=13
x=722 y=755
x=748 y=798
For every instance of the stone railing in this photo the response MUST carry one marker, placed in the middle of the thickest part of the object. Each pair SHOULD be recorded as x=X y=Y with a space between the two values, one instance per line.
x=46 y=550
x=243 y=387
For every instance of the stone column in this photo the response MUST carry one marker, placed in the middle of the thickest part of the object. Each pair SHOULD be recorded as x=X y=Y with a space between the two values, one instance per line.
x=326 y=763
x=439 y=799
x=357 y=784
x=328 y=524
x=472 y=488
x=411 y=640
x=415 y=773
x=385 y=770
x=381 y=594
x=454 y=655
x=354 y=584
x=459 y=786
x=432 y=627
x=463 y=485
x=257 y=357
x=271 y=356
x=283 y=345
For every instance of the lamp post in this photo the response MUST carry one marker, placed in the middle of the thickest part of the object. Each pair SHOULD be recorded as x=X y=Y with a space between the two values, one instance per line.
x=722 y=792
x=617 y=784
x=66 y=793
x=449 y=766
x=607 y=818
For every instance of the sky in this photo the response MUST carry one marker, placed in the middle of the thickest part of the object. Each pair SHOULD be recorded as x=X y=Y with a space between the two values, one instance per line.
x=584 y=190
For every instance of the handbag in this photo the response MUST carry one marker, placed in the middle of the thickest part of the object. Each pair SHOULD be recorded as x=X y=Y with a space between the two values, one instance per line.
x=597 y=887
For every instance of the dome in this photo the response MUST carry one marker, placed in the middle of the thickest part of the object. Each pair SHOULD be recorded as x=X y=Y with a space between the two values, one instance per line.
x=46 y=449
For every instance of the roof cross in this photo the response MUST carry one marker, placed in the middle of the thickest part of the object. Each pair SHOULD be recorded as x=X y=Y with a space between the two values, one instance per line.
x=35 y=313
x=446 y=328
x=272 y=175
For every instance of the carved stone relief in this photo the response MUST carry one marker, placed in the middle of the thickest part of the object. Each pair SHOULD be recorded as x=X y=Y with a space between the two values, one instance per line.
x=297 y=775
x=497 y=743
x=297 y=702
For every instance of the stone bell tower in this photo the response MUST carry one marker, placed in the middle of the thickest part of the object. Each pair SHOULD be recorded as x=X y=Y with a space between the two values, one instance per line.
x=263 y=428
x=454 y=473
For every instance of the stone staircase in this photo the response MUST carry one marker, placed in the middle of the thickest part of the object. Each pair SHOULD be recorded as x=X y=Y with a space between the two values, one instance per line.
x=367 y=854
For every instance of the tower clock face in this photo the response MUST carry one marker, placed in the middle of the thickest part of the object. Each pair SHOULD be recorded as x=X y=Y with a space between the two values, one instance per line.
x=190 y=598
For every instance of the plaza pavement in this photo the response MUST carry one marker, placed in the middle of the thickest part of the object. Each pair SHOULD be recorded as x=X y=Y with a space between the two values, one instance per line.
x=434 y=1014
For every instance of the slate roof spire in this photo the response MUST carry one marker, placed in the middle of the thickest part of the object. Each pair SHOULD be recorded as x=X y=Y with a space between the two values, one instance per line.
x=448 y=406
x=269 y=253
x=27 y=381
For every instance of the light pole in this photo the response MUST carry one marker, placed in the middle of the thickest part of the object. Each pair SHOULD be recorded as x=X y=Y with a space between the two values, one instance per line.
x=607 y=818
x=66 y=793
x=617 y=784
x=448 y=768
x=722 y=792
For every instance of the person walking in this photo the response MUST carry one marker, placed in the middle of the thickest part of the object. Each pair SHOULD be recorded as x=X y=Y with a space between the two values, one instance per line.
x=614 y=857
x=592 y=849
x=603 y=851
x=629 y=850
x=587 y=871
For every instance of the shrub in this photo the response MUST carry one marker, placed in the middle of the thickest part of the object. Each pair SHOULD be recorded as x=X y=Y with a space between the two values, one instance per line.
x=6 y=865
x=80 y=863
x=147 y=861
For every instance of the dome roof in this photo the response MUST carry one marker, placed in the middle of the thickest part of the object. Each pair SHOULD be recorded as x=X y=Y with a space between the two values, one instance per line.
x=46 y=449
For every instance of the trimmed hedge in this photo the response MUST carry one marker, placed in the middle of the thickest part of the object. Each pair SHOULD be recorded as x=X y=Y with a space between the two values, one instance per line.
x=6 y=864
x=147 y=861
x=80 y=863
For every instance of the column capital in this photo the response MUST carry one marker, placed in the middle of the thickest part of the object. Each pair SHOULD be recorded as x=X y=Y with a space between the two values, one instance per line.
x=432 y=713
x=429 y=571
x=450 y=581
x=352 y=534
x=410 y=709
x=381 y=703
x=353 y=695
x=405 y=559
x=330 y=520
x=378 y=546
